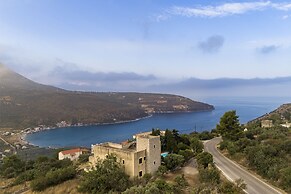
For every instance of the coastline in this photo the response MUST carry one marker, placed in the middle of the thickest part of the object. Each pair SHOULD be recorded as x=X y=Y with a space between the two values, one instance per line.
x=24 y=134
x=114 y=123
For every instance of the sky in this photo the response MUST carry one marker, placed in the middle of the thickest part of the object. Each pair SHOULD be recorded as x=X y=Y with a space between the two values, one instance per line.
x=129 y=44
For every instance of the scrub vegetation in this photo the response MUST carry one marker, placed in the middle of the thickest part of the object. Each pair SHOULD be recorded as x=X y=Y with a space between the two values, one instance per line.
x=266 y=150
x=43 y=174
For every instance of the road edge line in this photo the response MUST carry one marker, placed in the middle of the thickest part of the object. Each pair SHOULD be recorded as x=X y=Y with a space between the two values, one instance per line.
x=237 y=165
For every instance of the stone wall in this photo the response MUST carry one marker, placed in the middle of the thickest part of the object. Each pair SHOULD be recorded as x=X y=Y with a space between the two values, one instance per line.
x=152 y=145
x=127 y=158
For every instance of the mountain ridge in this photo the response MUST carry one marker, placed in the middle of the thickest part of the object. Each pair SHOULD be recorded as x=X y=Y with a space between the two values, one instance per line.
x=24 y=103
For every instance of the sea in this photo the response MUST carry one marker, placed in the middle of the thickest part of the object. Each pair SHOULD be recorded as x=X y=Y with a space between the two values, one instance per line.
x=247 y=108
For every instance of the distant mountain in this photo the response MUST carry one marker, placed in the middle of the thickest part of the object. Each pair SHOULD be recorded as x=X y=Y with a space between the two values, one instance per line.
x=11 y=81
x=24 y=103
x=229 y=87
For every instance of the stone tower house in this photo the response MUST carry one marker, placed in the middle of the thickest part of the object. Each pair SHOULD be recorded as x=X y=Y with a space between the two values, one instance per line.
x=152 y=146
x=137 y=158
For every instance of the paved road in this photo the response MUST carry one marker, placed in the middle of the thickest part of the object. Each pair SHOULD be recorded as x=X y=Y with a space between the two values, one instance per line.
x=233 y=172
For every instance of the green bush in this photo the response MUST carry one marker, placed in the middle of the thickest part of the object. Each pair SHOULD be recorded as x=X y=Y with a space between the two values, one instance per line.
x=209 y=175
x=162 y=170
x=12 y=166
x=173 y=161
x=188 y=154
x=223 y=145
x=157 y=187
x=181 y=181
x=286 y=178
x=23 y=177
x=196 y=145
x=84 y=158
x=205 y=135
x=53 y=177
x=107 y=176
x=204 y=159
x=232 y=148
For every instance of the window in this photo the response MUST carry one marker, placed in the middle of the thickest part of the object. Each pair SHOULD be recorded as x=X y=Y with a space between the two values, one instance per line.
x=140 y=173
x=154 y=162
x=154 y=146
x=140 y=160
x=122 y=161
x=144 y=158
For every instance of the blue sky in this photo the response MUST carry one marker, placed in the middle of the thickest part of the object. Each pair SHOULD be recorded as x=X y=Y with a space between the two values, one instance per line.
x=144 y=42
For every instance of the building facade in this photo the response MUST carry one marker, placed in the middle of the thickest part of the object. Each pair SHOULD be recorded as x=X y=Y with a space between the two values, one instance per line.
x=137 y=158
x=267 y=123
x=72 y=154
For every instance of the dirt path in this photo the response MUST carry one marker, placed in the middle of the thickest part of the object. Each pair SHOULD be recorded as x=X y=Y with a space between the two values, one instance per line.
x=6 y=142
x=190 y=172
x=190 y=168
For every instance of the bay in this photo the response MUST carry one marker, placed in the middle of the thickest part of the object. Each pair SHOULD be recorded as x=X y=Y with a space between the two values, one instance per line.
x=247 y=108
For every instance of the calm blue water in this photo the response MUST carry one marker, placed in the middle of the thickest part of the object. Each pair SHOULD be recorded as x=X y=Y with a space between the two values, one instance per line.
x=247 y=109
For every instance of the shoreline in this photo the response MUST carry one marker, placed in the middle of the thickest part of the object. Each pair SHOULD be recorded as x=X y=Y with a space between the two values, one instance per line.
x=23 y=134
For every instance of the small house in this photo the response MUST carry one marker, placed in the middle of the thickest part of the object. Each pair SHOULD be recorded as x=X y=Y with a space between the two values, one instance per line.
x=72 y=154
x=267 y=123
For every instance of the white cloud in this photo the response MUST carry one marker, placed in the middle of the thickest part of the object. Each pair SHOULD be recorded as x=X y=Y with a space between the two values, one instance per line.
x=282 y=6
x=162 y=17
x=285 y=17
x=226 y=9
x=221 y=10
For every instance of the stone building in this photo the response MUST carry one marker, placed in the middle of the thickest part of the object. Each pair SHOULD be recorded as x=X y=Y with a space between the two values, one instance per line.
x=138 y=158
x=267 y=123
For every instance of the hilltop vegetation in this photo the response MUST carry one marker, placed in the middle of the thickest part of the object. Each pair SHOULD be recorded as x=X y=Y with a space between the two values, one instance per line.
x=279 y=116
x=24 y=103
x=267 y=151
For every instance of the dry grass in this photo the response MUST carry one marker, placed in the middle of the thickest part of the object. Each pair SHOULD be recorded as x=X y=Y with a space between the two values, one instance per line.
x=190 y=172
x=69 y=186
x=5 y=182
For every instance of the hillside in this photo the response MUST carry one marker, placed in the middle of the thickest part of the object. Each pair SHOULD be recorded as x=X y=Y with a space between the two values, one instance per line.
x=280 y=115
x=24 y=103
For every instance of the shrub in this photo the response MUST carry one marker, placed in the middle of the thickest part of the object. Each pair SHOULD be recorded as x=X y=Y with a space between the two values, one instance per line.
x=107 y=176
x=12 y=166
x=53 y=177
x=181 y=181
x=204 y=159
x=196 y=145
x=84 y=158
x=162 y=170
x=205 y=135
x=188 y=154
x=286 y=178
x=223 y=145
x=23 y=177
x=209 y=175
x=173 y=161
